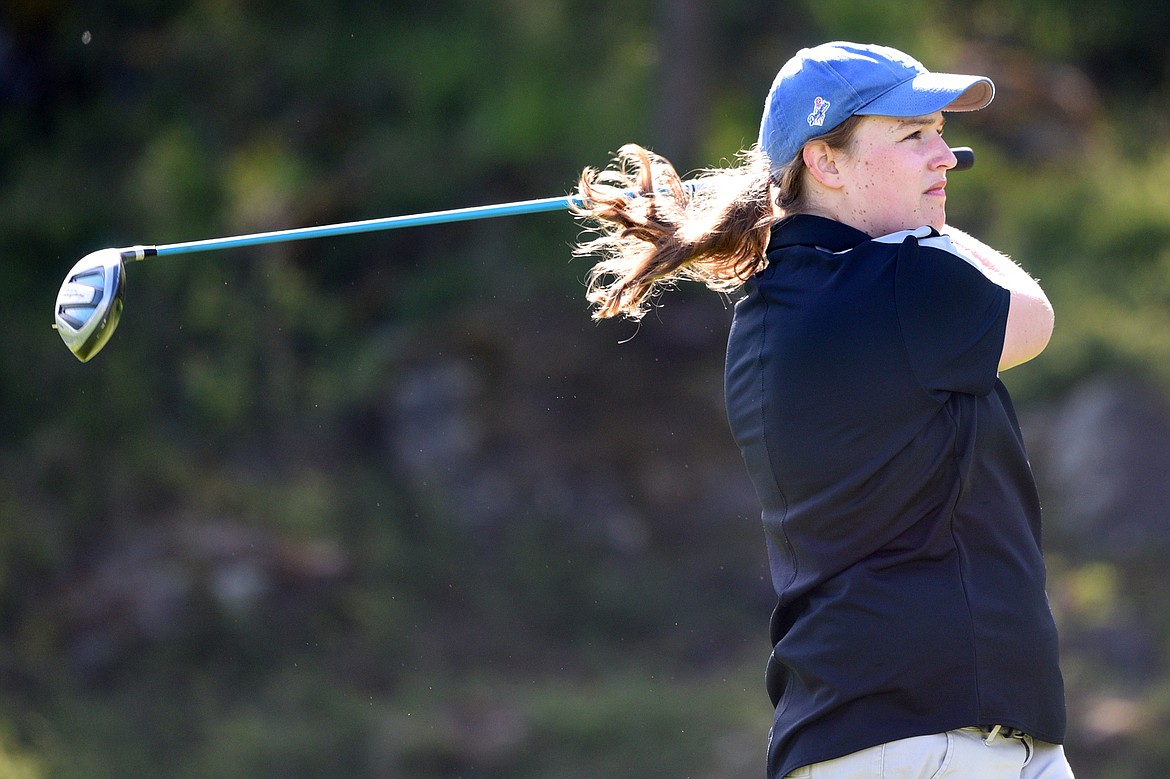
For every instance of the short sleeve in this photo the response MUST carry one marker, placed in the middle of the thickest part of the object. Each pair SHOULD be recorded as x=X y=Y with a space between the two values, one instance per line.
x=953 y=317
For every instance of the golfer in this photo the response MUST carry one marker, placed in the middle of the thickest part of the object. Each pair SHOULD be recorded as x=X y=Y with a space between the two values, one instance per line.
x=912 y=635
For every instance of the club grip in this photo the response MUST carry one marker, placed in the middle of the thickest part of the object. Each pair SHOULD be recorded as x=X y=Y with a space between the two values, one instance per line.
x=965 y=157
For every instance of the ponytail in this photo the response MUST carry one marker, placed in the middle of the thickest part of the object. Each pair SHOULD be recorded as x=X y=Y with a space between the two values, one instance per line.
x=714 y=229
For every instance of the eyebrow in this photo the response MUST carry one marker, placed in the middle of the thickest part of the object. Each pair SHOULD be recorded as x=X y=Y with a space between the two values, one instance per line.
x=919 y=121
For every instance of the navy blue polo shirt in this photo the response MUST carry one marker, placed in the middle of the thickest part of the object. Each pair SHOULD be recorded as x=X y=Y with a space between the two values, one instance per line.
x=899 y=508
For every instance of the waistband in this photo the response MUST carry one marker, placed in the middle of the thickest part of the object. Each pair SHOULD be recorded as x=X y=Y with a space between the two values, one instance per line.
x=1003 y=731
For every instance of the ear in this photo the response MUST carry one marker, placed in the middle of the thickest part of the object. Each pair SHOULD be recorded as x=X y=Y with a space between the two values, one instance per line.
x=821 y=162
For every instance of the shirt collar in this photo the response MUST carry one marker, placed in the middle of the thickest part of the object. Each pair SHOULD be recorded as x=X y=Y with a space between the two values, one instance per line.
x=809 y=230
x=830 y=235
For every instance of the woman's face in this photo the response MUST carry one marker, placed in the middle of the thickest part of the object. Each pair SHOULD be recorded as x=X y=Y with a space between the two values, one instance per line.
x=895 y=174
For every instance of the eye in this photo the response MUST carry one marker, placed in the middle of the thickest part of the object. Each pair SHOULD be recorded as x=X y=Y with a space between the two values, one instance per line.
x=920 y=133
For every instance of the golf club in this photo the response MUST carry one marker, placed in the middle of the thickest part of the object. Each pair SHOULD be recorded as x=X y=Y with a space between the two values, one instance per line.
x=90 y=302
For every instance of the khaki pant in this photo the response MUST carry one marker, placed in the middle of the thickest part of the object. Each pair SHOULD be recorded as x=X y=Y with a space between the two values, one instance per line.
x=969 y=753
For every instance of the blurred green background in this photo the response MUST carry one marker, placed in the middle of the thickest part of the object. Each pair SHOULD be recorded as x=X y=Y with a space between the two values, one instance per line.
x=392 y=505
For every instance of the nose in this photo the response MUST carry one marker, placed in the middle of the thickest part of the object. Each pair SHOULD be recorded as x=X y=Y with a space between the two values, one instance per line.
x=947 y=158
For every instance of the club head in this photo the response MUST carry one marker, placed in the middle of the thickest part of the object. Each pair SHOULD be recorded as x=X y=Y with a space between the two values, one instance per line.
x=90 y=302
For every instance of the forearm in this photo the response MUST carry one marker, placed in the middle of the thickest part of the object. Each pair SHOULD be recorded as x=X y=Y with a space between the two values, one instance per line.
x=996 y=266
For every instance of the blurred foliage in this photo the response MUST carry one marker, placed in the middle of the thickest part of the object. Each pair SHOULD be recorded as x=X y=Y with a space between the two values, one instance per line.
x=391 y=505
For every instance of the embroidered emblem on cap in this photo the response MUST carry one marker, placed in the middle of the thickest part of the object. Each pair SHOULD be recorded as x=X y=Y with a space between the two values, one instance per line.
x=817 y=117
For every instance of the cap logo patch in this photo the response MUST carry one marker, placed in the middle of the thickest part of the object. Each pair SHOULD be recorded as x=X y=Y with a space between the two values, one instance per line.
x=817 y=117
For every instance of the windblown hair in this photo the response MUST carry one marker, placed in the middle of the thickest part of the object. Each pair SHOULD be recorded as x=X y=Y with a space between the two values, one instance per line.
x=653 y=230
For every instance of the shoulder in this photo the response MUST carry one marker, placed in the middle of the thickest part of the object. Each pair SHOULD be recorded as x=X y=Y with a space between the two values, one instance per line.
x=926 y=237
x=925 y=254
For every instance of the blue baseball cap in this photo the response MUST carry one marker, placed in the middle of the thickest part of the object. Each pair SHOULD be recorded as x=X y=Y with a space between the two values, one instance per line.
x=821 y=87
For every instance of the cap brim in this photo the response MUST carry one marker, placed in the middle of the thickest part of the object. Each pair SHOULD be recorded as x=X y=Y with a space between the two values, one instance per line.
x=930 y=92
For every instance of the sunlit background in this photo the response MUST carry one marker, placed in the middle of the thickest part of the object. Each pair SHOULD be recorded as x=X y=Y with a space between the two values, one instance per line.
x=392 y=505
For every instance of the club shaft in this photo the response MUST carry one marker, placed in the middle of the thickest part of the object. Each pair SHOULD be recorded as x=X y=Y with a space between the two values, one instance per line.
x=364 y=226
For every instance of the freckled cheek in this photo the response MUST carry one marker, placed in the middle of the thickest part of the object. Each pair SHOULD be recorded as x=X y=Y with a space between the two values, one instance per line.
x=882 y=190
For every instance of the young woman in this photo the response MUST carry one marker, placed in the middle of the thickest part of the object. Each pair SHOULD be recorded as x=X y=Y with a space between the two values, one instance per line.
x=912 y=634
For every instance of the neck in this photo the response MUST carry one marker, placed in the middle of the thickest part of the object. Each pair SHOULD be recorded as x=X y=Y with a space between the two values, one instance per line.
x=820 y=201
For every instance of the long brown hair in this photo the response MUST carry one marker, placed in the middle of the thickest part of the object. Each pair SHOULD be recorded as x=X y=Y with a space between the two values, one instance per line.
x=652 y=229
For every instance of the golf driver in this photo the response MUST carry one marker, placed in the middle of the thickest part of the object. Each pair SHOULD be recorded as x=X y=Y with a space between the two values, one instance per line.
x=90 y=302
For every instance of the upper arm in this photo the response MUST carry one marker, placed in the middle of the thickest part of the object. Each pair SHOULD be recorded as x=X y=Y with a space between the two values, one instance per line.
x=953 y=318
x=1030 y=316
